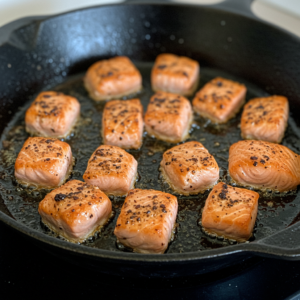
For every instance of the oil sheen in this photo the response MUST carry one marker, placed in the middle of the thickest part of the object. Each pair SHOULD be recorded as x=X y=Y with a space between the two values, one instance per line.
x=275 y=211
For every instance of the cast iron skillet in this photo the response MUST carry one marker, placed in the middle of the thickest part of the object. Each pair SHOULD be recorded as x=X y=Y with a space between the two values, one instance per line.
x=226 y=36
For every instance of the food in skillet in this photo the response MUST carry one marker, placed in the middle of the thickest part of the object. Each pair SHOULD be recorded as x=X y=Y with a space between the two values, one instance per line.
x=147 y=220
x=265 y=119
x=112 y=169
x=52 y=114
x=264 y=165
x=43 y=163
x=168 y=117
x=220 y=99
x=175 y=74
x=122 y=123
x=189 y=168
x=112 y=78
x=75 y=211
x=230 y=212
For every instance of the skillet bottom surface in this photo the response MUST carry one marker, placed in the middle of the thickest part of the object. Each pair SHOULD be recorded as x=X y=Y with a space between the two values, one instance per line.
x=275 y=211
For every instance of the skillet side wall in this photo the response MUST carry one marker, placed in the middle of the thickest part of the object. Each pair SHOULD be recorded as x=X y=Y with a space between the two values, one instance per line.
x=43 y=53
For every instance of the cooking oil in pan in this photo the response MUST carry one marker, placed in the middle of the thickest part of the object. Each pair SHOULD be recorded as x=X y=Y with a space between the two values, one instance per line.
x=275 y=211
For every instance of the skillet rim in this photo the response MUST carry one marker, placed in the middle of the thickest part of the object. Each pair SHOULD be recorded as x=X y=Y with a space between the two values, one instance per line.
x=256 y=247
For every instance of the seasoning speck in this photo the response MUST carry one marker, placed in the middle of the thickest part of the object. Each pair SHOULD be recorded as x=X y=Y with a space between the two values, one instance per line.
x=60 y=197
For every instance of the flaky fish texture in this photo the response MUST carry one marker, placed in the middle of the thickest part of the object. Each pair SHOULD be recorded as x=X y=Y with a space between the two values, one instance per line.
x=175 y=74
x=265 y=119
x=112 y=79
x=147 y=220
x=264 y=165
x=52 y=114
x=220 y=99
x=122 y=123
x=43 y=163
x=75 y=210
x=168 y=117
x=230 y=212
x=189 y=168
x=112 y=169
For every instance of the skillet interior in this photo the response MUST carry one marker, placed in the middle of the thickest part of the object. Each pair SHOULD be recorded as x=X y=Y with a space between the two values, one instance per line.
x=43 y=54
x=275 y=211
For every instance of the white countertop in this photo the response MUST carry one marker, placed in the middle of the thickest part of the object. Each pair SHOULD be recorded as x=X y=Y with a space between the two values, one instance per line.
x=284 y=13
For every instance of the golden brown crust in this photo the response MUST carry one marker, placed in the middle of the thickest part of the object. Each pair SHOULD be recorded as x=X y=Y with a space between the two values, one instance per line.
x=264 y=165
x=168 y=117
x=265 y=119
x=37 y=186
x=122 y=123
x=220 y=99
x=175 y=74
x=112 y=78
x=61 y=234
x=230 y=212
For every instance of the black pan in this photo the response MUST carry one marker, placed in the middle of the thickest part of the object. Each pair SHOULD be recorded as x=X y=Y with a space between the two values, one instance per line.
x=227 y=39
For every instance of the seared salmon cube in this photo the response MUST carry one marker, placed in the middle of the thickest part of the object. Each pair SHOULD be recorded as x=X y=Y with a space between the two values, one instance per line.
x=112 y=169
x=52 y=114
x=264 y=165
x=112 y=78
x=168 y=117
x=230 y=212
x=265 y=119
x=43 y=163
x=147 y=221
x=122 y=123
x=189 y=168
x=75 y=211
x=220 y=100
x=175 y=74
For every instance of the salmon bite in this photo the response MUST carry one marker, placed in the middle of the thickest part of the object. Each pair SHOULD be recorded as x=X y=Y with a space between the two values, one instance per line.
x=265 y=119
x=43 y=163
x=75 y=211
x=264 y=165
x=147 y=221
x=52 y=114
x=175 y=74
x=112 y=79
x=112 y=169
x=168 y=117
x=189 y=168
x=230 y=212
x=122 y=123
x=219 y=100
